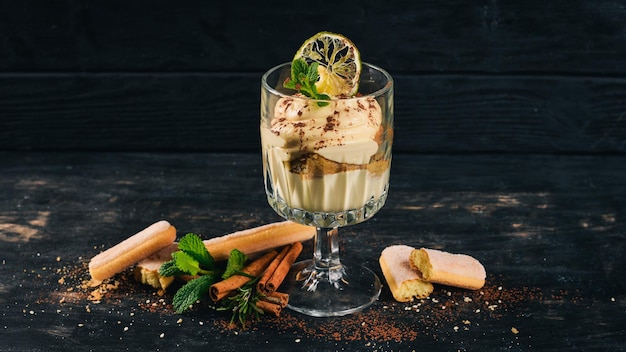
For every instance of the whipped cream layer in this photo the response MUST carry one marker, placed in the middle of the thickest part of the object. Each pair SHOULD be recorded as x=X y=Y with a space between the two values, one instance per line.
x=343 y=131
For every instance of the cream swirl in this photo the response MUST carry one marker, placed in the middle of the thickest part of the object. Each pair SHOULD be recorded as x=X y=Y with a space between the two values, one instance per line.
x=344 y=131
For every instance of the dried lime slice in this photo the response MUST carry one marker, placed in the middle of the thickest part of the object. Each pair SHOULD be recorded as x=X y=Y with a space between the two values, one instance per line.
x=339 y=63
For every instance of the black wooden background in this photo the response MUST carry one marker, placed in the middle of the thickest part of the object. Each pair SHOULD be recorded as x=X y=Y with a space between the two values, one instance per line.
x=471 y=75
x=510 y=145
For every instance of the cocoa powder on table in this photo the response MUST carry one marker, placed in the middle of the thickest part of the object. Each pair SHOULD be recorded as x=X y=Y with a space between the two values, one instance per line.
x=446 y=311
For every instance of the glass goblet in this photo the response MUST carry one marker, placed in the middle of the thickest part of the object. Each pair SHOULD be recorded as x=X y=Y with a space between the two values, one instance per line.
x=326 y=164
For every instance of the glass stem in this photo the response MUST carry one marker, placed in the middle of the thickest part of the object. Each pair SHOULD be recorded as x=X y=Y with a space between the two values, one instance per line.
x=326 y=249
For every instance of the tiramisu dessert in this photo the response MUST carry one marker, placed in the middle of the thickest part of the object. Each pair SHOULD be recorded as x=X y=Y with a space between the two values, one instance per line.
x=329 y=150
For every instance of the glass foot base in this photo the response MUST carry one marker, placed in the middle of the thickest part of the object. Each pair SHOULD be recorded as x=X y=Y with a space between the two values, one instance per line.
x=337 y=291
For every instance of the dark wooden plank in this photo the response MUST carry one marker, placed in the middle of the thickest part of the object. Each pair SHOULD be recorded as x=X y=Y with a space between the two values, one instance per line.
x=573 y=37
x=549 y=229
x=511 y=113
x=476 y=76
x=219 y=112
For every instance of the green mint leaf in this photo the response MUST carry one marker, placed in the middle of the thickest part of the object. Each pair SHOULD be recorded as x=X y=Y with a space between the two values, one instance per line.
x=192 y=245
x=169 y=268
x=290 y=84
x=303 y=79
x=191 y=292
x=306 y=93
x=312 y=74
x=236 y=261
x=298 y=67
x=186 y=263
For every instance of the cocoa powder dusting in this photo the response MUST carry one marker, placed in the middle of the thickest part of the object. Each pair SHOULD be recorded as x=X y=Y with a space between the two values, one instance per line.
x=331 y=122
x=75 y=287
x=446 y=312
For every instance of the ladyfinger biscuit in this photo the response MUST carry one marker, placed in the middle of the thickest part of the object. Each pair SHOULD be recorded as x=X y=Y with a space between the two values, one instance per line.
x=133 y=249
x=404 y=282
x=459 y=270
x=259 y=239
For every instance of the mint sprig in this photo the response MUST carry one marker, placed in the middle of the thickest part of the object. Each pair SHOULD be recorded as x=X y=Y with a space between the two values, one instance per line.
x=192 y=292
x=236 y=262
x=303 y=79
x=193 y=246
x=192 y=258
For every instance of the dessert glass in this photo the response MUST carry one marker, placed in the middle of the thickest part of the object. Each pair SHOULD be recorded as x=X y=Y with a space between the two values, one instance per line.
x=304 y=187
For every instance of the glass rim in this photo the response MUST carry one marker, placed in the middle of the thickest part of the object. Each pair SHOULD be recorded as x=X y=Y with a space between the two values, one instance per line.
x=382 y=91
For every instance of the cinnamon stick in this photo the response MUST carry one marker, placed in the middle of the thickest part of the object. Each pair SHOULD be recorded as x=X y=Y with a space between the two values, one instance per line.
x=268 y=307
x=277 y=298
x=282 y=269
x=270 y=270
x=225 y=287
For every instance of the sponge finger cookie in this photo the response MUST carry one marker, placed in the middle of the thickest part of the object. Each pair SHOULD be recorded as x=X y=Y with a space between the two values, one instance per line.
x=128 y=252
x=458 y=270
x=404 y=282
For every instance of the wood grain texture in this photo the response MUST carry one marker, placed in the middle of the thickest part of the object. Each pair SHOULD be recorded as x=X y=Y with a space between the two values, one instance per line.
x=220 y=112
x=549 y=230
x=472 y=76
x=574 y=37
